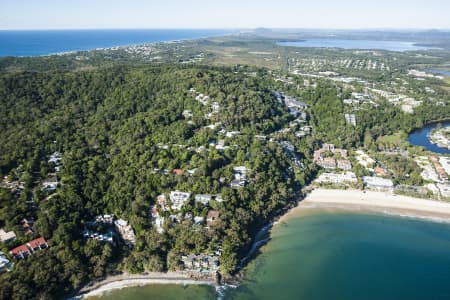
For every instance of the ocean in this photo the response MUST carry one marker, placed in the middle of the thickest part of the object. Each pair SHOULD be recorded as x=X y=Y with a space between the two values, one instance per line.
x=45 y=42
x=321 y=254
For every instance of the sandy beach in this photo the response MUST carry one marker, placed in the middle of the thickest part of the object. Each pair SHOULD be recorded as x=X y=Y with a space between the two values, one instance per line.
x=127 y=280
x=382 y=202
x=348 y=200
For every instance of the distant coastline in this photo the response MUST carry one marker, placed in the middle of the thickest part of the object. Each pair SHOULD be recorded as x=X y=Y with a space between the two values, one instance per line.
x=29 y=43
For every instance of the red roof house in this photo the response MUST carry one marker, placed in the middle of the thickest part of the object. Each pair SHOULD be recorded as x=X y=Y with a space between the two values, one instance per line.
x=178 y=171
x=38 y=244
x=20 y=252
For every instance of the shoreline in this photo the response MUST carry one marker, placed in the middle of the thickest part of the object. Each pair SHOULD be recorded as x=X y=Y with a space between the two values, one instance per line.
x=374 y=201
x=352 y=200
x=123 y=46
x=125 y=280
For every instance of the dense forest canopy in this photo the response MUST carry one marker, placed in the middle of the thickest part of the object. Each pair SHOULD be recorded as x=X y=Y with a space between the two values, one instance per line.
x=121 y=130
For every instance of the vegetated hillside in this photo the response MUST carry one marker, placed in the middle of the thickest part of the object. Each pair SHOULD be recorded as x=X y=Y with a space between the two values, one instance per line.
x=118 y=129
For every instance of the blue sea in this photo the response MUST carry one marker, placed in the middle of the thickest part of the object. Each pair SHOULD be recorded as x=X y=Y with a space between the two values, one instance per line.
x=44 y=42
x=318 y=254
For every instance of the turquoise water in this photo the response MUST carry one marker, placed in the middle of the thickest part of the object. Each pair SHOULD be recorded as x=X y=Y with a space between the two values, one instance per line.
x=333 y=255
x=351 y=256
x=356 y=44
x=419 y=137
x=43 y=42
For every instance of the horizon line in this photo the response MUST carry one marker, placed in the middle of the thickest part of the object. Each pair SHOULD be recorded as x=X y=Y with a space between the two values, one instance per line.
x=234 y=28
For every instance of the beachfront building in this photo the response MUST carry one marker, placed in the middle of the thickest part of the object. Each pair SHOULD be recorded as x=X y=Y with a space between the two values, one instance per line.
x=335 y=178
x=200 y=263
x=428 y=172
x=178 y=199
x=444 y=189
x=126 y=232
x=6 y=237
x=364 y=160
x=443 y=176
x=445 y=163
x=344 y=164
x=322 y=160
x=378 y=183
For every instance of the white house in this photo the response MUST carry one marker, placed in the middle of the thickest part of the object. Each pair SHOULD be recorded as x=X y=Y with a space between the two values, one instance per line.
x=178 y=199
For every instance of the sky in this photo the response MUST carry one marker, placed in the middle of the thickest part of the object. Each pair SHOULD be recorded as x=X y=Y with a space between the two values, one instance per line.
x=330 y=14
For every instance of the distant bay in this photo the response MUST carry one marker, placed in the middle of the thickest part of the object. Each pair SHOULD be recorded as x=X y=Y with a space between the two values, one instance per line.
x=398 y=46
x=441 y=72
x=45 y=42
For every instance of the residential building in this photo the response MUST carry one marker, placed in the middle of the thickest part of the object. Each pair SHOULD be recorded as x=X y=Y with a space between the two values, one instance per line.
x=37 y=244
x=187 y=114
x=378 y=183
x=162 y=202
x=439 y=169
x=325 y=162
x=344 y=164
x=104 y=219
x=126 y=232
x=350 y=119
x=50 y=184
x=178 y=199
x=380 y=171
x=364 y=160
x=159 y=223
x=103 y=237
x=198 y=220
x=444 y=189
x=200 y=263
x=20 y=252
x=6 y=237
x=336 y=178
x=445 y=163
x=240 y=177
x=27 y=249
x=212 y=217
x=27 y=226
x=203 y=198
x=55 y=159
x=177 y=171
